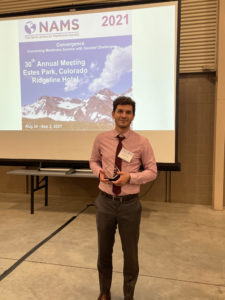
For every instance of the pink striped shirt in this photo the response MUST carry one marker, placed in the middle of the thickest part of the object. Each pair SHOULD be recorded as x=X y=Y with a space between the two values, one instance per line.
x=103 y=158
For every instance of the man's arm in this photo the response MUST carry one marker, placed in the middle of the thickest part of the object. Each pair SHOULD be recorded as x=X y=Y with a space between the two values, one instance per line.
x=95 y=162
x=150 y=168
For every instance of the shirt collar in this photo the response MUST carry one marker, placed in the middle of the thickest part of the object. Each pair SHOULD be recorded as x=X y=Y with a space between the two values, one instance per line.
x=125 y=134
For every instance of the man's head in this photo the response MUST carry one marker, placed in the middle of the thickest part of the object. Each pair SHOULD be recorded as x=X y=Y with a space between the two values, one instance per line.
x=123 y=100
x=123 y=112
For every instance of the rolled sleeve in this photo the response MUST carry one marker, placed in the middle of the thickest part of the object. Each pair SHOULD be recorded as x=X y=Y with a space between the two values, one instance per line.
x=150 y=168
x=95 y=160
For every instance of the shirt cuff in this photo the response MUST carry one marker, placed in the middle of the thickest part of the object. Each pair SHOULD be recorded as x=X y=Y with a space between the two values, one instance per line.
x=132 y=178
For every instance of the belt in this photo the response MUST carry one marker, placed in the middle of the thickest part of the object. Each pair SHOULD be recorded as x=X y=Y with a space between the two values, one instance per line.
x=120 y=198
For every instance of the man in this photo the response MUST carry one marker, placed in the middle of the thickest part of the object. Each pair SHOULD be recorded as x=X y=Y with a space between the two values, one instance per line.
x=120 y=152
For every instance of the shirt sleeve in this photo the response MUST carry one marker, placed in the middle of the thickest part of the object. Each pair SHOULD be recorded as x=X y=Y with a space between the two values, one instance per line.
x=150 y=168
x=95 y=160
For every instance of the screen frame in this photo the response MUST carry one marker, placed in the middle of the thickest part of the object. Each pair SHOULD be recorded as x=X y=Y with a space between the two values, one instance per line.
x=84 y=164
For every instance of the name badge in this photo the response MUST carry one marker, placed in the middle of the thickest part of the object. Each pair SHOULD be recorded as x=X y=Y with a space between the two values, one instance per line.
x=125 y=155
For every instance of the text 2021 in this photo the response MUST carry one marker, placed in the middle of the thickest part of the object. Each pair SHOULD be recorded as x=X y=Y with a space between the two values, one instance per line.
x=115 y=20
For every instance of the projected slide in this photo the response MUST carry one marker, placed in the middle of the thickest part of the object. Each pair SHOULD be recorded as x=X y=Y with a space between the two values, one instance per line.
x=71 y=85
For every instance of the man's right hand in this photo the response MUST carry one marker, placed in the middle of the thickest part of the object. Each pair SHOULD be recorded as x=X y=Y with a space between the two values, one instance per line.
x=102 y=177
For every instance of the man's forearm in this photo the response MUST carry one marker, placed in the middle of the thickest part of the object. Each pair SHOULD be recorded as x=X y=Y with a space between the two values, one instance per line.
x=143 y=177
x=96 y=167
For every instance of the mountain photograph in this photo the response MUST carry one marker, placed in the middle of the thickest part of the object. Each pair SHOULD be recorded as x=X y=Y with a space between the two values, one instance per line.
x=94 y=113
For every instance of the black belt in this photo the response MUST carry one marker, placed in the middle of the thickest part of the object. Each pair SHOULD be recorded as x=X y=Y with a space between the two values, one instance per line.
x=120 y=198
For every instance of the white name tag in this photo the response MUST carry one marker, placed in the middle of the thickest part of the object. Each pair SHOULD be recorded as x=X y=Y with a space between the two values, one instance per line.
x=125 y=155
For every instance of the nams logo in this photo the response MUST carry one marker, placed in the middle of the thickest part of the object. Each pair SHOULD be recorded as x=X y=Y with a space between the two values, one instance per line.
x=30 y=27
x=52 y=26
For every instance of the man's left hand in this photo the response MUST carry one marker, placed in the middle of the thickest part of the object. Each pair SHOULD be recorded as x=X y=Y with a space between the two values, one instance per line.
x=124 y=178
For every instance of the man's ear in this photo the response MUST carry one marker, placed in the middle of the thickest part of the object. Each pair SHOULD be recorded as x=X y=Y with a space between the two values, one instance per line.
x=113 y=115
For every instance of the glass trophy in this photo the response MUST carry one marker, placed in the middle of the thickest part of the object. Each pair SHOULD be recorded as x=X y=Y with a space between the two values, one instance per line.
x=111 y=173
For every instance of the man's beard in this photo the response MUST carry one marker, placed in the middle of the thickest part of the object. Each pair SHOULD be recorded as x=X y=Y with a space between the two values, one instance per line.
x=125 y=124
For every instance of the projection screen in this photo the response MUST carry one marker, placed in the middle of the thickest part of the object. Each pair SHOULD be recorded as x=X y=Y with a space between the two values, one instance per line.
x=61 y=72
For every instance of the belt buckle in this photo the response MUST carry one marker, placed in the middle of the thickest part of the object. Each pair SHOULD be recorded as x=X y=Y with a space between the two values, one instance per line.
x=120 y=198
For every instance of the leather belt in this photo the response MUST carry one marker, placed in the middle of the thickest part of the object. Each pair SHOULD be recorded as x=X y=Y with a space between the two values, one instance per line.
x=120 y=198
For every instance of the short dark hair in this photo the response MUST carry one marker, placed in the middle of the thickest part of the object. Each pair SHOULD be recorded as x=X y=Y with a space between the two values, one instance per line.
x=123 y=100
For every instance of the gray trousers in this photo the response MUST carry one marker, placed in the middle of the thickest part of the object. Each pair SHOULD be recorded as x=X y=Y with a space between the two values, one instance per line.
x=126 y=215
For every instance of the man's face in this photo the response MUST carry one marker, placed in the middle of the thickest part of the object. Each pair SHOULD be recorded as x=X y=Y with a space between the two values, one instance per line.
x=123 y=116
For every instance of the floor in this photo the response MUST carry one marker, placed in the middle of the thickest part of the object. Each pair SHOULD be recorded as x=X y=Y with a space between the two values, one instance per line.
x=182 y=251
